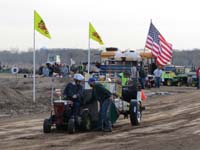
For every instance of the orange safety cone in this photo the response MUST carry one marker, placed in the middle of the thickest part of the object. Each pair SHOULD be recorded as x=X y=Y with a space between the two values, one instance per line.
x=143 y=97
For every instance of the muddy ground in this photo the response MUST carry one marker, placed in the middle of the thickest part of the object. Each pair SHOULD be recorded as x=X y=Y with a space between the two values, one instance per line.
x=171 y=121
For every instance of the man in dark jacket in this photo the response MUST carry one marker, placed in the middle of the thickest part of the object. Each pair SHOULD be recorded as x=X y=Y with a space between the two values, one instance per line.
x=74 y=91
x=100 y=93
x=143 y=75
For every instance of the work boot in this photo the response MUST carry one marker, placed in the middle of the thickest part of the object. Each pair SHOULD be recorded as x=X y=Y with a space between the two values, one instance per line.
x=98 y=129
x=107 y=130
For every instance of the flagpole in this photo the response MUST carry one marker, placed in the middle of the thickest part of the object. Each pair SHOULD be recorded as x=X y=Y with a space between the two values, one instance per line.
x=147 y=35
x=34 y=61
x=144 y=48
x=89 y=51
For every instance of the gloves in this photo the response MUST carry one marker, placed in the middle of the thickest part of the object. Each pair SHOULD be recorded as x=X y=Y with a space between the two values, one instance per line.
x=74 y=96
x=64 y=97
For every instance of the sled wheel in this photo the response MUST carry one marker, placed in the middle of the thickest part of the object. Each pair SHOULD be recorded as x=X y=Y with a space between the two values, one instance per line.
x=135 y=113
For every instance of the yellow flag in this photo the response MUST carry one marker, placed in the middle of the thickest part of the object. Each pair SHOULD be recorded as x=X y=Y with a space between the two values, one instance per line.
x=40 y=26
x=94 y=35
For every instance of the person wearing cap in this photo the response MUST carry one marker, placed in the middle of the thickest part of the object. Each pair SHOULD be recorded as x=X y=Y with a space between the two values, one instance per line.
x=100 y=93
x=74 y=91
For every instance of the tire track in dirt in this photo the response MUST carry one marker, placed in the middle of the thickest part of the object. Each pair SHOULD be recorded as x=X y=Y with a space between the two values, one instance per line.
x=170 y=122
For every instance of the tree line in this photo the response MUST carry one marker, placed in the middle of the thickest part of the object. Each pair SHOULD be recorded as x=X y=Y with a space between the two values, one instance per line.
x=187 y=58
x=80 y=56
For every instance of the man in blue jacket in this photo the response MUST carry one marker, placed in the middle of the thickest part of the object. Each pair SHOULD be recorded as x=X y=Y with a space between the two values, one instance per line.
x=74 y=91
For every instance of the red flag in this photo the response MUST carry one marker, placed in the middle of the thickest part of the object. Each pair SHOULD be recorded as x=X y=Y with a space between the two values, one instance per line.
x=161 y=49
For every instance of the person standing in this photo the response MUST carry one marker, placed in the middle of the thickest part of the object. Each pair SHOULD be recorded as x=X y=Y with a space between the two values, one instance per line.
x=64 y=70
x=158 y=73
x=45 y=71
x=198 y=77
x=143 y=75
x=100 y=93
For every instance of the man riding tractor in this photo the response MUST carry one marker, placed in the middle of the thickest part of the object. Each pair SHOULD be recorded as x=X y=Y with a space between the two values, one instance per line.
x=68 y=113
x=74 y=91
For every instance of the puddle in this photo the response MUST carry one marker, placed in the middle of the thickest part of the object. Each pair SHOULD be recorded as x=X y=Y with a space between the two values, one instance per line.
x=163 y=93
x=4 y=115
x=150 y=94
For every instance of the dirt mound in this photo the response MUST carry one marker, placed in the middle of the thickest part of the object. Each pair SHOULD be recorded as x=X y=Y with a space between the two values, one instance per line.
x=6 y=94
x=16 y=95
x=11 y=100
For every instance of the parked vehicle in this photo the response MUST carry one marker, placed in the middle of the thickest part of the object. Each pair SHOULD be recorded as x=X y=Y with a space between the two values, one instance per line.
x=179 y=80
x=186 y=79
x=168 y=77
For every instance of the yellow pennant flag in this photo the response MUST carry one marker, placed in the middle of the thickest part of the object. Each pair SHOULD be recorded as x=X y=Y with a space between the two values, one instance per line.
x=94 y=35
x=40 y=26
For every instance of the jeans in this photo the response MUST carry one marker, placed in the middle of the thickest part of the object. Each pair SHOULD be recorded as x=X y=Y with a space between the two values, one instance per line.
x=157 y=82
x=104 y=122
x=76 y=108
x=142 y=81
x=198 y=83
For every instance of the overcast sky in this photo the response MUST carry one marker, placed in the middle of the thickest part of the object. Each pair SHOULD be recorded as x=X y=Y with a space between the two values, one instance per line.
x=120 y=23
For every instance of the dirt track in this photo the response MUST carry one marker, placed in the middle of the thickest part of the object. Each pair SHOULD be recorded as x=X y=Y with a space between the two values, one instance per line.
x=171 y=122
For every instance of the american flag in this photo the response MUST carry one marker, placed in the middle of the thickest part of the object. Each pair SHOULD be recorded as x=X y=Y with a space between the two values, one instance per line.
x=161 y=49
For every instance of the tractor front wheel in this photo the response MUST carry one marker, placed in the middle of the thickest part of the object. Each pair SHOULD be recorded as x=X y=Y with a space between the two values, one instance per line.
x=47 y=126
x=135 y=113
x=86 y=121
x=71 y=126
